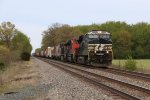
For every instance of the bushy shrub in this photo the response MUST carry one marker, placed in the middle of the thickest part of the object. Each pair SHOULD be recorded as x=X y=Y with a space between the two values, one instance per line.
x=130 y=64
x=2 y=66
x=15 y=55
x=25 y=56
x=5 y=55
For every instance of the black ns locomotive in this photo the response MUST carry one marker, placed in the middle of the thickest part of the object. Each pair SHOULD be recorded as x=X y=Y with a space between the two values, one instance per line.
x=95 y=48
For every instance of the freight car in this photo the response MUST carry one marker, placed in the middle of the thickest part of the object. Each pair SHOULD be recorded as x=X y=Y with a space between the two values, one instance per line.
x=42 y=53
x=56 y=52
x=48 y=52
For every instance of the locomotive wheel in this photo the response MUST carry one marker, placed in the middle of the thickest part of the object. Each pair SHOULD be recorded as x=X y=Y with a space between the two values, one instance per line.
x=85 y=60
x=62 y=58
x=67 y=58
x=72 y=60
x=75 y=59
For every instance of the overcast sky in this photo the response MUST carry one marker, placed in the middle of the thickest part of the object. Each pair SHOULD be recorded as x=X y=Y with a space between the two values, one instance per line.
x=34 y=16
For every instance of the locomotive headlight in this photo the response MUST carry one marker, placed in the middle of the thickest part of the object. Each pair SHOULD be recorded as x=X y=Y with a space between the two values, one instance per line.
x=107 y=51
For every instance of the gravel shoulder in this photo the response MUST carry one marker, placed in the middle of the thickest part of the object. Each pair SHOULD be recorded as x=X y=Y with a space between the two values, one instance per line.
x=45 y=82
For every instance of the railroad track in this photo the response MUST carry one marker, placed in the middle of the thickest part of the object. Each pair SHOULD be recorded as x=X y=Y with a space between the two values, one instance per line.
x=142 y=76
x=131 y=74
x=105 y=82
x=135 y=75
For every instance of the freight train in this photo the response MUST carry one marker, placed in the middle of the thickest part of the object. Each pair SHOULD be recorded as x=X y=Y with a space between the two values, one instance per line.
x=93 y=48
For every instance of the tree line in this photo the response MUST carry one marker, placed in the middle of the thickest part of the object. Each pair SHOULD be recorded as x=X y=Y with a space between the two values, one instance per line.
x=12 y=43
x=133 y=40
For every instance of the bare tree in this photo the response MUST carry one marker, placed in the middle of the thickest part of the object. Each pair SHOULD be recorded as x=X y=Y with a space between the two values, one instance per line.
x=7 y=32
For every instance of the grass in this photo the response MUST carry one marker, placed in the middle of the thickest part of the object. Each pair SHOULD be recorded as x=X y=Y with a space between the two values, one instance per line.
x=141 y=63
x=15 y=76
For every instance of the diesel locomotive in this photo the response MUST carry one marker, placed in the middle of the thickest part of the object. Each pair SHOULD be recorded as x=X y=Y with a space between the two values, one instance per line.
x=95 y=48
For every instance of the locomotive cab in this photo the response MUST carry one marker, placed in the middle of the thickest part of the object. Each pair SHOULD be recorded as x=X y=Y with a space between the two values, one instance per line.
x=95 y=48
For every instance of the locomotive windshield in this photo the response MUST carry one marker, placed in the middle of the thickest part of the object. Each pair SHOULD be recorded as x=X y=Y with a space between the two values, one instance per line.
x=93 y=36
x=99 y=38
x=105 y=36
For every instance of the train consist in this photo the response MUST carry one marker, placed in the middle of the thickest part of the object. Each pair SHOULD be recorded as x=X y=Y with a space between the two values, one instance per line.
x=93 y=48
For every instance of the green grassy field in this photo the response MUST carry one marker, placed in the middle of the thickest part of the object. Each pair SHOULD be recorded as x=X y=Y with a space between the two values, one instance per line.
x=141 y=63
